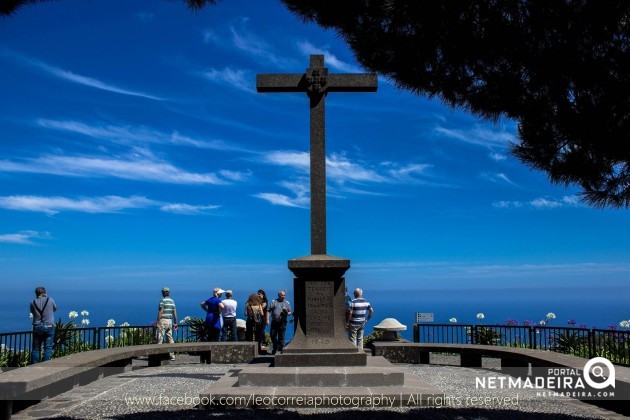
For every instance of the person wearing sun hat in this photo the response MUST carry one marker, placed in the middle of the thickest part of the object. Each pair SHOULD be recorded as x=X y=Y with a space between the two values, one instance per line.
x=213 y=308
x=166 y=318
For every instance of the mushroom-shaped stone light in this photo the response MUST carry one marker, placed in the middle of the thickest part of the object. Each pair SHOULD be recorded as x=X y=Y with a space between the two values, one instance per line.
x=390 y=326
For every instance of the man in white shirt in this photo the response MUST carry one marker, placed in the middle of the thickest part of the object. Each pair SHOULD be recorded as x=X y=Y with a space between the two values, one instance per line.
x=229 y=318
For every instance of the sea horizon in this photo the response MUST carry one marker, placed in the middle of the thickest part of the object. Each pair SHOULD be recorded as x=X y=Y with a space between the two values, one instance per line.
x=595 y=308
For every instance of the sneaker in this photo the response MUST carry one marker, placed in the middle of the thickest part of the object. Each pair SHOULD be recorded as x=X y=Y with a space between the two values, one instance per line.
x=172 y=357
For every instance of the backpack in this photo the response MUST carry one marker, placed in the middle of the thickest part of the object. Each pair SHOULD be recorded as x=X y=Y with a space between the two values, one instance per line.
x=256 y=317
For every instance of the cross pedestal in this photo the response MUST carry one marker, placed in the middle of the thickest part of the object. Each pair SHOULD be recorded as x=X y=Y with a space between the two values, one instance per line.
x=320 y=315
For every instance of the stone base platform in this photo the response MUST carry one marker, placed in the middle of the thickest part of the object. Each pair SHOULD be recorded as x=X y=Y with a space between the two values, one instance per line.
x=291 y=359
x=379 y=384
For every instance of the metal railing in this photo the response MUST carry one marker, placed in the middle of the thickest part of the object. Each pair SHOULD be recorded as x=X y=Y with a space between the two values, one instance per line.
x=611 y=344
x=15 y=347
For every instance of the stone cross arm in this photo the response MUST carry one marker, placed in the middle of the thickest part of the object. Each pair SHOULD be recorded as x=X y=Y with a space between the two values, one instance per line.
x=337 y=82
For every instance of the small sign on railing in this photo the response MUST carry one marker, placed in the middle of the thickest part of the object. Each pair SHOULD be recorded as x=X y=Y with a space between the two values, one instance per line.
x=423 y=317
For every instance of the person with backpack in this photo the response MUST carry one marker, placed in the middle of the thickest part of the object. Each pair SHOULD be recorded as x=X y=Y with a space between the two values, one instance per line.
x=254 y=325
x=42 y=309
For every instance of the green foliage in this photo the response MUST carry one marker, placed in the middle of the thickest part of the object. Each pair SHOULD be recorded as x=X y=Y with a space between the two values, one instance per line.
x=68 y=340
x=11 y=358
x=570 y=342
x=199 y=331
x=487 y=336
x=375 y=336
x=615 y=348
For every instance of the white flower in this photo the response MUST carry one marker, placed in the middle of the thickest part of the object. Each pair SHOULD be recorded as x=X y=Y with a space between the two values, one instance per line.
x=73 y=314
x=111 y=322
x=30 y=315
x=551 y=315
x=124 y=324
x=480 y=315
x=85 y=313
x=543 y=322
x=85 y=321
x=453 y=319
x=109 y=338
x=186 y=320
x=625 y=324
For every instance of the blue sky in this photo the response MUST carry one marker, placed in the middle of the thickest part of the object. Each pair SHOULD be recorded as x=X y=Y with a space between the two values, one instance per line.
x=135 y=152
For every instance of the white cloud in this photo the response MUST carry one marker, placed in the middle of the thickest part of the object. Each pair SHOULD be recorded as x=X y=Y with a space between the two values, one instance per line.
x=53 y=205
x=138 y=169
x=298 y=160
x=187 y=209
x=540 y=203
x=299 y=190
x=130 y=135
x=498 y=178
x=72 y=77
x=238 y=79
x=24 y=237
x=106 y=204
x=331 y=60
x=283 y=200
x=479 y=136
x=341 y=170
x=238 y=35
x=407 y=172
x=497 y=157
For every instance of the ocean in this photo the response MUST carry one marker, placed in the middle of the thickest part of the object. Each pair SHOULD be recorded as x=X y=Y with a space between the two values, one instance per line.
x=595 y=307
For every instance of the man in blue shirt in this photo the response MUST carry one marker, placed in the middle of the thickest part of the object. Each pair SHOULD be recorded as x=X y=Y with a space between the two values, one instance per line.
x=359 y=313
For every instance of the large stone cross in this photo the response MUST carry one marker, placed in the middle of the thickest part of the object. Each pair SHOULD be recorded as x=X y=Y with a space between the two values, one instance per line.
x=316 y=82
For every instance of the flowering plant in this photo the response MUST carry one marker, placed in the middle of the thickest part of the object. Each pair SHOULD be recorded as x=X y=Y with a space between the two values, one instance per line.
x=453 y=320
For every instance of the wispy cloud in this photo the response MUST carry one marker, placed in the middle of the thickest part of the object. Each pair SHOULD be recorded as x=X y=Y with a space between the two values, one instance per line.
x=498 y=157
x=540 y=203
x=478 y=136
x=331 y=59
x=24 y=237
x=498 y=178
x=342 y=173
x=70 y=76
x=137 y=169
x=238 y=79
x=239 y=36
x=131 y=135
x=299 y=190
x=106 y=204
x=187 y=209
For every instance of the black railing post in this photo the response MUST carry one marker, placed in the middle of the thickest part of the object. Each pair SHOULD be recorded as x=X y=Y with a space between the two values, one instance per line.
x=591 y=343
x=416 y=333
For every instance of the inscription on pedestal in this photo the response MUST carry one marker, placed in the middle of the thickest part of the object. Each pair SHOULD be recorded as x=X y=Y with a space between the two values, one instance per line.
x=319 y=321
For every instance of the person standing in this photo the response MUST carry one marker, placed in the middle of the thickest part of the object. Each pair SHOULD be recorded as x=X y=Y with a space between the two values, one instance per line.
x=166 y=318
x=265 y=304
x=279 y=309
x=359 y=313
x=213 y=308
x=42 y=308
x=254 y=313
x=229 y=318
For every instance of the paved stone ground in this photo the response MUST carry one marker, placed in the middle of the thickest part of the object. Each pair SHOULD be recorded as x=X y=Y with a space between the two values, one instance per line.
x=151 y=393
